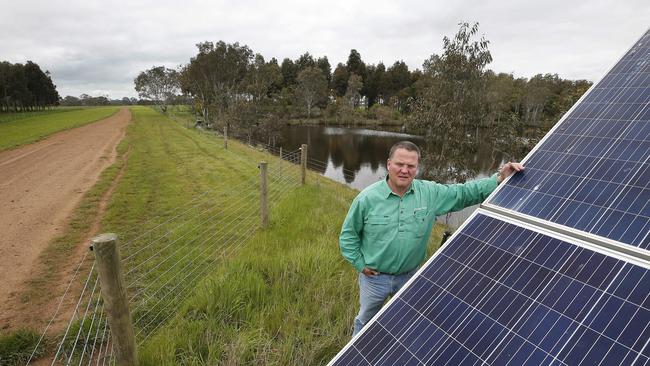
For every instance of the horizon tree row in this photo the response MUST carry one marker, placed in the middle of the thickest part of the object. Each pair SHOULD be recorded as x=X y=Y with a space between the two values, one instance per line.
x=233 y=86
x=86 y=100
x=25 y=87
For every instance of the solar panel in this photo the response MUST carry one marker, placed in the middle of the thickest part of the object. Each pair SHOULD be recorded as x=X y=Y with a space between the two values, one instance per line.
x=592 y=171
x=501 y=293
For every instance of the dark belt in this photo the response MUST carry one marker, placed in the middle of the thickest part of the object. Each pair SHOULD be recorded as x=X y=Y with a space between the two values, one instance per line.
x=396 y=274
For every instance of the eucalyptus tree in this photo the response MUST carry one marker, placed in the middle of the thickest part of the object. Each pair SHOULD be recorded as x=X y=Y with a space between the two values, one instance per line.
x=456 y=83
x=452 y=105
x=159 y=84
x=261 y=78
x=193 y=83
x=353 y=93
x=311 y=88
x=215 y=76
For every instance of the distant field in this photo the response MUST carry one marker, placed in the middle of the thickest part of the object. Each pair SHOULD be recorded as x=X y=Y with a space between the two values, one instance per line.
x=9 y=117
x=22 y=128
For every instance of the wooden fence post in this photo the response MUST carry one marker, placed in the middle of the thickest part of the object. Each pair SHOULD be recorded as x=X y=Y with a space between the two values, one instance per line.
x=225 y=137
x=113 y=293
x=303 y=163
x=264 y=203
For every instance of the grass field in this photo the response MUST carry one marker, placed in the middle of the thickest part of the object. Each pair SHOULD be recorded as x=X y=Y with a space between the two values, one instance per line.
x=22 y=128
x=8 y=117
x=276 y=296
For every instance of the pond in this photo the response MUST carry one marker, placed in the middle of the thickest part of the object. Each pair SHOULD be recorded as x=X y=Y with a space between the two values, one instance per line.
x=357 y=157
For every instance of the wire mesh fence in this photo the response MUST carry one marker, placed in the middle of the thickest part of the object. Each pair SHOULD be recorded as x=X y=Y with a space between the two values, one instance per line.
x=163 y=259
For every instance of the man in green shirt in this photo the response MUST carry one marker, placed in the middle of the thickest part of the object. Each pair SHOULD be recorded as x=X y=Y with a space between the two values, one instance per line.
x=385 y=233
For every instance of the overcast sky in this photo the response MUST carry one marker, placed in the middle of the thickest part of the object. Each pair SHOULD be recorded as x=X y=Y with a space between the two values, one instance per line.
x=98 y=48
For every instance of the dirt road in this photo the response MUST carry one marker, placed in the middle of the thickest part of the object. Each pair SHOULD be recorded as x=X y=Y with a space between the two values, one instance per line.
x=40 y=185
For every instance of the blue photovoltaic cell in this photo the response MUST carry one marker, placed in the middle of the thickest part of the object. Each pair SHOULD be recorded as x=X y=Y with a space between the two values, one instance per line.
x=592 y=173
x=501 y=294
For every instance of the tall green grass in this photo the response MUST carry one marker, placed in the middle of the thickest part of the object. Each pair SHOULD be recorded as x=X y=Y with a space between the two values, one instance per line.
x=15 y=132
x=288 y=298
x=15 y=348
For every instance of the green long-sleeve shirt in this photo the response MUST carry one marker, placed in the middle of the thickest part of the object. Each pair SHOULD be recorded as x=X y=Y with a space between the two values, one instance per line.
x=389 y=233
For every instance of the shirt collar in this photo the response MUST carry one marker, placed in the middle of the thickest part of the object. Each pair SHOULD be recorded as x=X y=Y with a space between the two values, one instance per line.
x=386 y=191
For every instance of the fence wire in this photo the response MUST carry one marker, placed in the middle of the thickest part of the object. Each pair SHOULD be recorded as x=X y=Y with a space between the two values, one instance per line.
x=163 y=260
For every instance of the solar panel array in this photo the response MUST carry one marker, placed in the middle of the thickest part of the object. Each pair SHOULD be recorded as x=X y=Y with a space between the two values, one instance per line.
x=506 y=291
x=592 y=173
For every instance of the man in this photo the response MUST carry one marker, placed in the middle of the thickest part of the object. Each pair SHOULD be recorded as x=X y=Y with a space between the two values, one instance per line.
x=386 y=230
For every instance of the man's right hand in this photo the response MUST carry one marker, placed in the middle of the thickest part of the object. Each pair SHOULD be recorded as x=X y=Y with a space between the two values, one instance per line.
x=369 y=272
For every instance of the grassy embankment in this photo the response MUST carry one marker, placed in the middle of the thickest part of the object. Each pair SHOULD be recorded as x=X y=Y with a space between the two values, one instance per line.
x=286 y=297
x=22 y=128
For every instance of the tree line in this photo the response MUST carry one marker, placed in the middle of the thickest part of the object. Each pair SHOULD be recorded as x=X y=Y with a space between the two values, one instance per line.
x=86 y=100
x=25 y=87
x=231 y=85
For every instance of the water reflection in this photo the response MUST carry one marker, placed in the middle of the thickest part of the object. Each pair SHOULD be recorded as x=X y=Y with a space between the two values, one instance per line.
x=351 y=155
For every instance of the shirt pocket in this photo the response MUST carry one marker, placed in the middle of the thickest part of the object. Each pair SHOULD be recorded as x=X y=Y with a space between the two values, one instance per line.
x=376 y=227
x=421 y=221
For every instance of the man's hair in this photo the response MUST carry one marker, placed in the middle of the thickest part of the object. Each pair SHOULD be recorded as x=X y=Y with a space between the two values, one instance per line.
x=406 y=145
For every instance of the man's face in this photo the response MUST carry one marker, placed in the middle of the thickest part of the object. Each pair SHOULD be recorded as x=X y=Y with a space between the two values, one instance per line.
x=402 y=168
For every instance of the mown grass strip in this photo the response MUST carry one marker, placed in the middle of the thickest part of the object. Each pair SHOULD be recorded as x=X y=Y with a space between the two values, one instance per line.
x=20 y=131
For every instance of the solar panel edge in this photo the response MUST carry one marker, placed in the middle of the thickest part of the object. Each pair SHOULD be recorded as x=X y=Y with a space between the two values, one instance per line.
x=610 y=247
x=406 y=285
x=632 y=255
x=559 y=123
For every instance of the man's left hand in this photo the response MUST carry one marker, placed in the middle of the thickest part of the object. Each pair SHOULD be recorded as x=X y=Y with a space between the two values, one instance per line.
x=508 y=169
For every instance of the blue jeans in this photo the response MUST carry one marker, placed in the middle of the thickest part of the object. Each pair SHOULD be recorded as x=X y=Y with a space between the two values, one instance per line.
x=373 y=292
